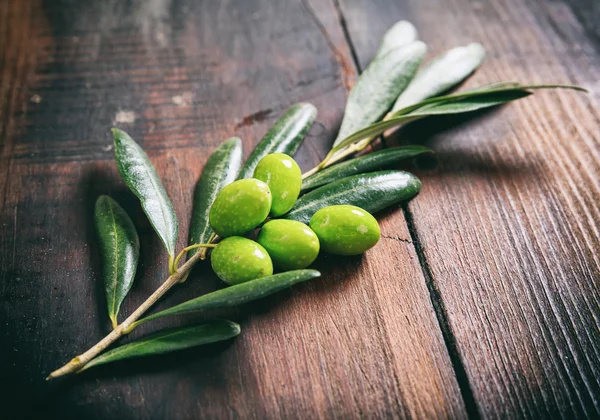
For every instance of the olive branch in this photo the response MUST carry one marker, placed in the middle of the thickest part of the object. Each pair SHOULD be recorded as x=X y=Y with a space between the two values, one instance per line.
x=391 y=92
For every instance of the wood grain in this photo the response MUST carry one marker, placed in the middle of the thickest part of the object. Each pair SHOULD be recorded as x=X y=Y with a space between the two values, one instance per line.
x=507 y=225
x=181 y=77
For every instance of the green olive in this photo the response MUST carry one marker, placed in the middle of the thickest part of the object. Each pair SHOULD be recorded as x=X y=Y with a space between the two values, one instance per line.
x=292 y=245
x=345 y=230
x=239 y=207
x=237 y=260
x=284 y=177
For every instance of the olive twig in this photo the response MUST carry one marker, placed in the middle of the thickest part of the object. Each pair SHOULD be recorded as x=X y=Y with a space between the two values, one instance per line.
x=80 y=361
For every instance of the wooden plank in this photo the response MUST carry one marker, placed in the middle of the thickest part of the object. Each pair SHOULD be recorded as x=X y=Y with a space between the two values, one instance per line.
x=181 y=77
x=508 y=222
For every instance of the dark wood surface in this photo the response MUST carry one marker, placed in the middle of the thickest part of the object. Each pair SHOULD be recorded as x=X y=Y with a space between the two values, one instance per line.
x=507 y=225
x=481 y=300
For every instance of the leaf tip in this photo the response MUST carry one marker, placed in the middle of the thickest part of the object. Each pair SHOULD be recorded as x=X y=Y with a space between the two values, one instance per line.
x=236 y=329
x=476 y=47
x=308 y=110
x=308 y=106
x=119 y=135
x=419 y=48
x=116 y=132
x=417 y=183
x=116 y=135
x=100 y=200
x=105 y=200
x=234 y=140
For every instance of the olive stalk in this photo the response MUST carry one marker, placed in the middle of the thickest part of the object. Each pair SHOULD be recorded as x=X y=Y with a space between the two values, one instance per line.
x=211 y=243
x=80 y=361
x=204 y=247
x=189 y=248
x=213 y=239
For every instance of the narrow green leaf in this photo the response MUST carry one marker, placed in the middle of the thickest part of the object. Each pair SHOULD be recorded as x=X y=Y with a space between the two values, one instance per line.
x=285 y=136
x=362 y=164
x=371 y=192
x=373 y=131
x=466 y=104
x=221 y=169
x=469 y=101
x=488 y=87
x=400 y=34
x=482 y=91
x=378 y=87
x=168 y=341
x=441 y=74
x=141 y=178
x=473 y=103
x=119 y=250
x=238 y=294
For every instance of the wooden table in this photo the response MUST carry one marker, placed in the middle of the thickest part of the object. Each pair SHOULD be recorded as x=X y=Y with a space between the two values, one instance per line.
x=482 y=300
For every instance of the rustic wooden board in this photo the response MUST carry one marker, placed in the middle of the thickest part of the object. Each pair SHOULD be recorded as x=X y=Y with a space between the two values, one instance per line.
x=181 y=77
x=508 y=224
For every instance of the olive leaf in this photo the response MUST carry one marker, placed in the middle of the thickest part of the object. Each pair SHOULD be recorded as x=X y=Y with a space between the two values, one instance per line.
x=366 y=163
x=486 y=90
x=141 y=178
x=237 y=294
x=471 y=104
x=371 y=192
x=285 y=136
x=378 y=87
x=119 y=250
x=441 y=74
x=221 y=169
x=466 y=104
x=168 y=341
x=468 y=101
x=400 y=34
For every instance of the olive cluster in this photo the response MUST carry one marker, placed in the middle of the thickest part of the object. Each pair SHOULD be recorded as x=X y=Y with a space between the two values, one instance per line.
x=246 y=204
